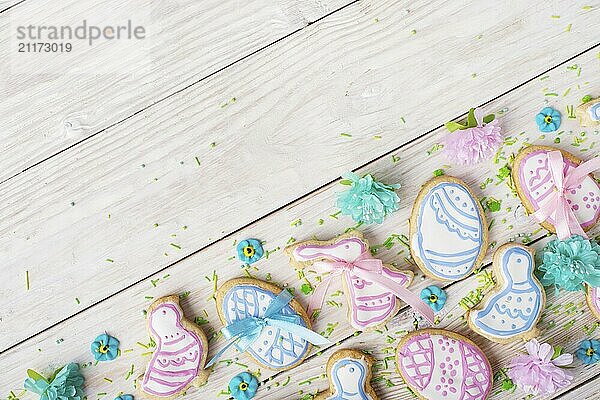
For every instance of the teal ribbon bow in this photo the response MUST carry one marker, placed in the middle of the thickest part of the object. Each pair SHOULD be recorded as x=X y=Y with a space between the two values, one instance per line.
x=243 y=332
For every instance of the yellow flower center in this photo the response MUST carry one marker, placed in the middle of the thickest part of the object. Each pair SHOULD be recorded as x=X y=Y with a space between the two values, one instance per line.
x=590 y=352
x=103 y=348
x=243 y=386
x=249 y=251
x=548 y=119
x=433 y=298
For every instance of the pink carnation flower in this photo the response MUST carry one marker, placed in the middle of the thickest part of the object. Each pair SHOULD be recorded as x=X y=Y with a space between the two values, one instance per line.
x=472 y=145
x=536 y=373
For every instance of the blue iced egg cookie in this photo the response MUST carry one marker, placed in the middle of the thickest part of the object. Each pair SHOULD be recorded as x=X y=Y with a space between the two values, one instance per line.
x=448 y=230
x=275 y=348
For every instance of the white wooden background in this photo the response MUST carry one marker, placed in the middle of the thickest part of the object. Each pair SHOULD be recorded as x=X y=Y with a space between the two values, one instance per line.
x=241 y=127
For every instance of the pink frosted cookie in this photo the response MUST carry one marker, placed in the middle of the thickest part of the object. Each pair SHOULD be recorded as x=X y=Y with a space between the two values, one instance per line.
x=535 y=186
x=369 y=303
x=442 y=365
x=593 y=300
x=180 y=355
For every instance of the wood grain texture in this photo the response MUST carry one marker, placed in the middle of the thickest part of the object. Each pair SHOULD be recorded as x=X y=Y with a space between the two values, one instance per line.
x=93 y=87
x=108 y=207
x=122 y=315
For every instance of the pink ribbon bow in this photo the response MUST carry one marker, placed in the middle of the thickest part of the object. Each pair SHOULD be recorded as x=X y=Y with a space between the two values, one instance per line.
x=368 y=269
x=565 y=221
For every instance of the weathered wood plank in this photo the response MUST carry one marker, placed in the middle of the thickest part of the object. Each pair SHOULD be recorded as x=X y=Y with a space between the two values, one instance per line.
x=121 y=315
x=80 y=93
x=360 y=72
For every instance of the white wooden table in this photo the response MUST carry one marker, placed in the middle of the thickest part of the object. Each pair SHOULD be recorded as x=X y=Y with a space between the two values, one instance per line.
x=117 y=189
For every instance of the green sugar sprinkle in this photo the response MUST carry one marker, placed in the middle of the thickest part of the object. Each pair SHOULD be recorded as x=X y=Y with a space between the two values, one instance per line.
x=335 y=215
x=296 y=223
x=551 y=94
x=345 y=135
x=110 y=260
x=77 y=300
x=27 y=279
x=569 y=28
x=175 y=245
x=197 y=160
x=395 y=159
x=108 y=380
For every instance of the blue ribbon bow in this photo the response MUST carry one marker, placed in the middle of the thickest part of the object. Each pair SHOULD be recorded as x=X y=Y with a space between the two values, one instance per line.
x=244 y=332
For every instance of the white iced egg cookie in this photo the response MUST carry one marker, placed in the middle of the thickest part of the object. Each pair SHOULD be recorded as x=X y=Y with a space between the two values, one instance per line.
x=180 y=355
x=349 y=373
x=442 y=365
x=275 y=348
x=448 y=230
x=589 y=113
x=513 y=308
x=593 y=300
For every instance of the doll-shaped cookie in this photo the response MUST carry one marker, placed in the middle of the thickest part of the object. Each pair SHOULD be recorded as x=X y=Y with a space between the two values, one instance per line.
x=592 y=297
x=588 y=113
x=555 y=186
x=442 y=365
x=513 y=308
x=349 y=373
x=448 y=229
x=181 y=351
x=371 y=287
x=266 y=322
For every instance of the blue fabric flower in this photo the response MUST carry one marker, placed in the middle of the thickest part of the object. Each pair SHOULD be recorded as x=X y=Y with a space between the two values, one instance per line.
x=589 y=351
x=66 y=384
x=434 y=296
x=124 y=397
x=250 y=251
x=367 y=200
x=548 y=120
x=105 y=348
x=243 y=386
x=570 y=264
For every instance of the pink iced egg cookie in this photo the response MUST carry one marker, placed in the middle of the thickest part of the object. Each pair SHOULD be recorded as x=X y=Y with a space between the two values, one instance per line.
x=441 y=365
x=534 y=182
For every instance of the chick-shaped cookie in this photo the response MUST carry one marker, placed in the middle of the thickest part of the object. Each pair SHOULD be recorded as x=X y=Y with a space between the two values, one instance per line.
x=181 y=351
x=513 y=308
x=349 y=373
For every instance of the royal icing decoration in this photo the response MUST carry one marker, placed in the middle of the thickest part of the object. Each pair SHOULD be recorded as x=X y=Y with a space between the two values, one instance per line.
x=512 y=309
x=371 y=287
x=448 y=231
x=441 y=365
x=555 y=186
x=593 y=300
x=266 y=322
x=181 y=351
x=349 y=373
x=589 y=113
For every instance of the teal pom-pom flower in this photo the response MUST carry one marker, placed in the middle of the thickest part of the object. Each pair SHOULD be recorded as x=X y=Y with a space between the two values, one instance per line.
x=124 y=397
x=548 y=120
x=434 y=296
x=65 y=384
x=589 y=351
x=570 y=264
x=367 y=200
x=243 y=386
x=105 y=348
x=250 y=251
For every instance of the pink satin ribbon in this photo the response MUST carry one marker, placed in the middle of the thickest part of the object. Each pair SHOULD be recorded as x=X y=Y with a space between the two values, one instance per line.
x=565 y=221
x=369 y=269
